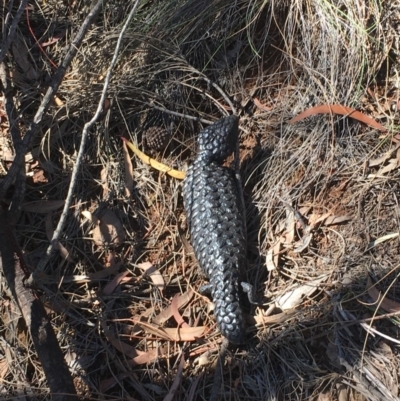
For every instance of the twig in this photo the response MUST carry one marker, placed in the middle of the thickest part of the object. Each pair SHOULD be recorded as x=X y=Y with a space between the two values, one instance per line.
x=202 y=120
x=20 y=182
x=218 y=88
x=44 y=105
x=10 y=106
x=175 y=113
x=219 y=105
x=60 y=226
x=11 y=258
x=7 y=39
x=8 y=17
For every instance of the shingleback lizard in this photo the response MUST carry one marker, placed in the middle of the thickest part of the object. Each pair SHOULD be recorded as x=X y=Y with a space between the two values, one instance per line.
x=217 y=228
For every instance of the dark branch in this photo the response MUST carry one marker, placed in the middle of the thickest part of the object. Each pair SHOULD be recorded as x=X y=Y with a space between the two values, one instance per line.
x=51 y=91
x=7 y=39
x=43 y=337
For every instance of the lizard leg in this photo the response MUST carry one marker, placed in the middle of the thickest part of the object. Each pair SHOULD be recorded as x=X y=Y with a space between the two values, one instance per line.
x=249 y=290
x=206 y=289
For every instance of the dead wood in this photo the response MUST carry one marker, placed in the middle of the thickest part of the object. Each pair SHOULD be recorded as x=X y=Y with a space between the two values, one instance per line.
x=44 y=105
x=11 y=257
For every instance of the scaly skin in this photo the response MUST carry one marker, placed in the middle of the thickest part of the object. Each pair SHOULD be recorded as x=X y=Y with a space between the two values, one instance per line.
x=214 y=214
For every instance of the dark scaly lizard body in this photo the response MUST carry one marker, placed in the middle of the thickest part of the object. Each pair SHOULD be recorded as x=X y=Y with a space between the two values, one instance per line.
x=217 y=228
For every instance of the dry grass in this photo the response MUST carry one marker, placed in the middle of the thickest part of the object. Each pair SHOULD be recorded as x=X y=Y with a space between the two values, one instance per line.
x=290 y=56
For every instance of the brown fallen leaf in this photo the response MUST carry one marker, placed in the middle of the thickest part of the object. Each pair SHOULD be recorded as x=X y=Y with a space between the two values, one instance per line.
x=112 y=285
x=106 y=106
x=3 y=368
x=385 y=156
x=173 y=334
x=343 y=393
x=185 y=333
x=155 y=330
x=393 y=164
x=175 y=310
x=304 y=241
x=290 y=226
x=314 y=219
x=395 y=138
x=149 y=356
x=272 y=319
x=385 y=303
x=104 y=182
x=153 y=273
x=272 y=257
x=325 y=397
x=304 y=210
x=341 y=110
x=137 y=357
x=64 y=252
x=332 y=220
x=206 y=348
x=109 y=231
x=294 y=297
x=54 y=39
x=384 y=349
x=39 y=177
x=43 y=206
x=326 y=219
x=262 y=106
x=167 y=313
x=126 y=349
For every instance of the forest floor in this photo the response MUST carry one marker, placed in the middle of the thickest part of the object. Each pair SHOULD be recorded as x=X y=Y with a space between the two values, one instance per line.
x=322 y=194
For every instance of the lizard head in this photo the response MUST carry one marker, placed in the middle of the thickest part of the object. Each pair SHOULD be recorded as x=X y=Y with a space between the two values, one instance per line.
x=218 y=140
